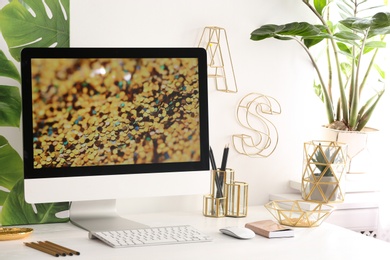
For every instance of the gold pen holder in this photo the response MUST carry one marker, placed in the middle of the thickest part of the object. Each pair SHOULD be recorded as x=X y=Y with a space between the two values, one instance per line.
x=214 y=204
x=214 y=207
x=227 y=197
x=237 y=199
x=218 y=180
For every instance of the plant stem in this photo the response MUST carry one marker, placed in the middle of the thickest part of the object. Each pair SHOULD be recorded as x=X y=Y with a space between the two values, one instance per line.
x=354 y=87
x=334 y=47
x=363 y=83
x=327 y=100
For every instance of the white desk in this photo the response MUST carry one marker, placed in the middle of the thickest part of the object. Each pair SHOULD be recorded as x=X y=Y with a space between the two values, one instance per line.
x=325 y=242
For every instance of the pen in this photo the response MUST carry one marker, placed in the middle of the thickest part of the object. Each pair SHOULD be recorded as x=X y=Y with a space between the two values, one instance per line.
x=224 y=157
x=212 y=160
x=223 y=165
x=214 y=167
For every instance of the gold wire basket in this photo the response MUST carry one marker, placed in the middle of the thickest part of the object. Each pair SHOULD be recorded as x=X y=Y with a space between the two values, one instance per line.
x=299 y=213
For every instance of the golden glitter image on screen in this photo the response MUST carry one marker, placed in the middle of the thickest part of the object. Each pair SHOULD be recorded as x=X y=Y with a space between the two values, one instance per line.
x=109 y=111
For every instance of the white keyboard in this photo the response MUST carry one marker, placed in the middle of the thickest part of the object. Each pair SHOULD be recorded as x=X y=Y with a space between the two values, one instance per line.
x=151 y=236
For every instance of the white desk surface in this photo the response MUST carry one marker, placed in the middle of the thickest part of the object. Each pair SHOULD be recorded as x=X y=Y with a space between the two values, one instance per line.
x=325 y=242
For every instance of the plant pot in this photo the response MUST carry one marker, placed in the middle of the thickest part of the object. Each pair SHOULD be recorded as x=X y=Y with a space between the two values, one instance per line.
x=324 y=168
x=326 y=189
x=359 y=143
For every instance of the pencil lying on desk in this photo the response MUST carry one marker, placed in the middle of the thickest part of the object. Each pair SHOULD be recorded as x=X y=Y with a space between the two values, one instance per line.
x=59 y=248
x=42 y=249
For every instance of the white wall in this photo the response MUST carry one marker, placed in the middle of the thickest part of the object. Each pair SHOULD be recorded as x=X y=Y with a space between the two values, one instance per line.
x=272 y=68
x=277 y=69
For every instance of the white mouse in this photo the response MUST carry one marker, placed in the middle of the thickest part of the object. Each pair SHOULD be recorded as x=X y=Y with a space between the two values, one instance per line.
x=238 y=232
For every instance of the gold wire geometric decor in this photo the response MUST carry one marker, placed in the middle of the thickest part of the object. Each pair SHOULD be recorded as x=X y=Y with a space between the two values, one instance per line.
x=324 y=168
x=251 y=113
x=298 y=213
x=214 y=40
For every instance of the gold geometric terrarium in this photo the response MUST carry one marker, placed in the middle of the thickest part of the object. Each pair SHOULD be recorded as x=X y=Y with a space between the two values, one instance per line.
x=324 y=167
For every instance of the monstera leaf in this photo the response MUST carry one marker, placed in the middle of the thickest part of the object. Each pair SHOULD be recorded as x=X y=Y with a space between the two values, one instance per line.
x=31 y=23
x=17 y=211
x=11 y=165
x=10 y=106
x=8 y=69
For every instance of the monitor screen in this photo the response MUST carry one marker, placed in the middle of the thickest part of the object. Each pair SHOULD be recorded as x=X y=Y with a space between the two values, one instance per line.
x=92 y=112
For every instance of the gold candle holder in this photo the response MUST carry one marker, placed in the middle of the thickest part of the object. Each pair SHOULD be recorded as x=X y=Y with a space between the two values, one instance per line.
x=237 y=199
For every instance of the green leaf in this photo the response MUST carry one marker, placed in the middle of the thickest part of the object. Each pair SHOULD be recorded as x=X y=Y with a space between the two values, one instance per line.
x=319 y=5
x=11 y=168
x=311 y=40
x=266 y=31
x=343 y=35
x=376 y=44
x=380 y=20
x=346 y=9
x=380 y=24
x=38 y=29
x=346 y=68
x=301 y=29
x=373 y=45
x=7 y=68
x=379 y=31
x=381 y=72
x=356 y=23
x=344 y=49
x=16 y=211
x=10 y=106
x=3 y=196
x=367 y=110
x=318 y=91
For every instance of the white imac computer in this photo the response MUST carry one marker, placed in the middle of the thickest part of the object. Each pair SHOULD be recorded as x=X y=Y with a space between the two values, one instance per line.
x=101 y=124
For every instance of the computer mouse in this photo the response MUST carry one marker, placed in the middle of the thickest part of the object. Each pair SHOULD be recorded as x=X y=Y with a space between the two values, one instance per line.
x=238 y=232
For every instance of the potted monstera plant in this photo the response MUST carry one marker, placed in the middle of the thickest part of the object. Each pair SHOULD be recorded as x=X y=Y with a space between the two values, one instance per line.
x=350 y=34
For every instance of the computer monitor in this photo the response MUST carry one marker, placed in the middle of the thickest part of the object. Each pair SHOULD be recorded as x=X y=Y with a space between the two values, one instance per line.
x=100 y=124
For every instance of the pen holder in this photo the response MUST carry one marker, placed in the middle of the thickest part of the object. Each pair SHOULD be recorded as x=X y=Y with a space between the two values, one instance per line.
x=237 y=199
x=214 y=207
x=214 y=204
x=218 y=179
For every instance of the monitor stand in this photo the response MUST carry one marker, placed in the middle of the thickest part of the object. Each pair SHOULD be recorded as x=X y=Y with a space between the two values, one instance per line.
x=100 y=215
